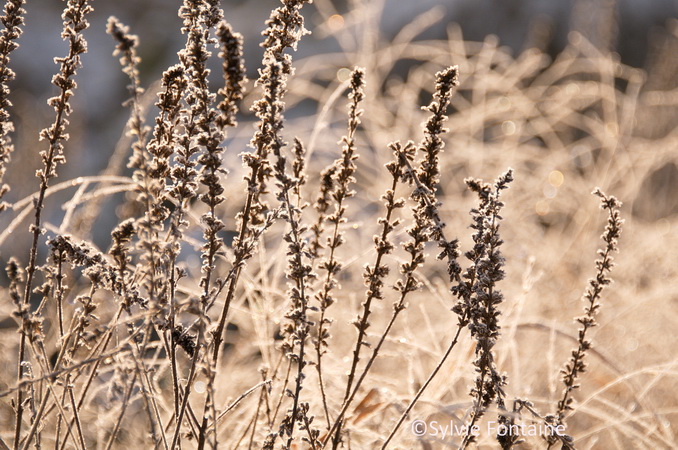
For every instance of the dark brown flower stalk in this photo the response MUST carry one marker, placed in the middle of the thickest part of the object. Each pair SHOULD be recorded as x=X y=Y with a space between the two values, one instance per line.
x=127 y=50
x=482 y=298
x=234 y=74
x=149 y=186
x=16 y=277
x=15 y=274
x=296 y=331
x=198 y=119
x=55 y=273
x=322 y=206
x=183 y=173
x=450 y=252
x=201 y=131
x=432 y=145
x=428 y=225
x=162 y=146
x=13 y=21
x=285 y=28
x=151 y=167
x=152 y=164
x=185 y=176
x=427 y=176
x=374 y=279
x=576 y=365
x=101 y=275
x=343 y=178
x=375 y=275
x=74 y=24
x=203 y=134
x=299 y=169
x=299 y=273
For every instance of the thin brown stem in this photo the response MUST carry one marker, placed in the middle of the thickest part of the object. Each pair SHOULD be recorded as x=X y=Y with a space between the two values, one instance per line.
x=421 y=390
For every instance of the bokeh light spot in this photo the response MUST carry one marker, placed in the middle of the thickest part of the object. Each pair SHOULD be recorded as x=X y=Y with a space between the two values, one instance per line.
x=343 y=74
x=335 y=22
x=508 y=127
x=556 y=178
x=549 y=191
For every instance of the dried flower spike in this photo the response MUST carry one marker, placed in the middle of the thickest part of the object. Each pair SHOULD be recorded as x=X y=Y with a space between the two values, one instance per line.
x=481 y=298
x=576 y=364
x=74 y=23
x=13 y=21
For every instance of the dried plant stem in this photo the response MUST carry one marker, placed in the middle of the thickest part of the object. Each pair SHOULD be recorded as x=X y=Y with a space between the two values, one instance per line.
x=74 y=24
x=421 y=390
x=190 y=417
x=12 y=21
x=36 y=423
x=282 y=391
x=342 y=179
x=187 y=391
x=299 y=272
x=173 y=346
x=123 y=408
x=285 y=29
x=519 y=405
x=576 y=365
x=374 y=276
x=41 y=358
x=255 y=419
x=480 y=299
x=149 y=398
x=397 y=308
x=374 y=280
x=60 y=296
x=451 y=253
x=76 y=417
